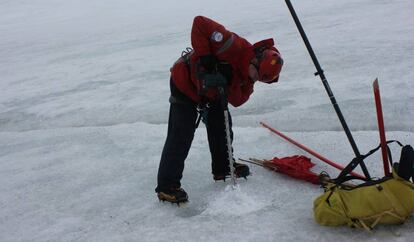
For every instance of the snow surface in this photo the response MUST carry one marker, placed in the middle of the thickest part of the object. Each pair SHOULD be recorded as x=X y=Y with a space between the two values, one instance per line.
x=84 y=107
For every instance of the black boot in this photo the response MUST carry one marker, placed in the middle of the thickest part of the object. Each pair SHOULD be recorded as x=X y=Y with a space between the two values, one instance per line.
x=173 y=195
x=240 y=170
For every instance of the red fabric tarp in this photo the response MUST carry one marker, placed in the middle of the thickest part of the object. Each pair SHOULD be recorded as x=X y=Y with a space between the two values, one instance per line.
x=296 y=166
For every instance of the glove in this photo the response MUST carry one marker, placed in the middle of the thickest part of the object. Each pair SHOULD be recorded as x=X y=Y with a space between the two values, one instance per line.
x=209 y=63
x=212 y=80
x=226 y=70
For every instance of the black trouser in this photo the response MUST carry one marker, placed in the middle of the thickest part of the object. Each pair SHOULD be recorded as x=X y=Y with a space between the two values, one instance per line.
x=181 y=128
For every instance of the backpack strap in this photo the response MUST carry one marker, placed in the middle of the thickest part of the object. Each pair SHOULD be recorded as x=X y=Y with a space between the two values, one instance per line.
x=357 y=160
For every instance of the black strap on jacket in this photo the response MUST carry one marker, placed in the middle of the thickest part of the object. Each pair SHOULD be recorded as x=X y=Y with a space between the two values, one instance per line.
x=202 y=107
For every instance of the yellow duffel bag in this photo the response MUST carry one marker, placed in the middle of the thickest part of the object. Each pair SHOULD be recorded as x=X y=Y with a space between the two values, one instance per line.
x=386 y=201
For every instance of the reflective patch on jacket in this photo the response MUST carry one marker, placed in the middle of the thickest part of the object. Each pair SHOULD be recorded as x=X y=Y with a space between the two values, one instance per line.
x=217 y=36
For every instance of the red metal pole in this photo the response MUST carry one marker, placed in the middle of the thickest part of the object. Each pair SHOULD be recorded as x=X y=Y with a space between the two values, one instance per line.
x=381 y=127
x=320 y=157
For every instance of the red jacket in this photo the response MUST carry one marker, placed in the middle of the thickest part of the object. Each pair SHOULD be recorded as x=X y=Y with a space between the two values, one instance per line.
x=210 y=37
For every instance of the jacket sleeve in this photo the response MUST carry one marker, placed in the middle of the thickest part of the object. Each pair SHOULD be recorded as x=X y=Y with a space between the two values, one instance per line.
x=238 y=94
x=208 y=36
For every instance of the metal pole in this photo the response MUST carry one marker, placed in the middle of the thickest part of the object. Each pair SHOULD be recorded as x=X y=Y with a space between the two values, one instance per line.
x=224 y=104
x=319 y=72
x=310 y=151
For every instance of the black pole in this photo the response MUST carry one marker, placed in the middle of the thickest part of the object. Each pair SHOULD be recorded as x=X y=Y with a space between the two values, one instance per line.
x=319 y=72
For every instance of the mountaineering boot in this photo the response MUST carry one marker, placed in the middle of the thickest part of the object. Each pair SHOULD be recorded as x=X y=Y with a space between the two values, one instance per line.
x=173 y=195
x=240 y=170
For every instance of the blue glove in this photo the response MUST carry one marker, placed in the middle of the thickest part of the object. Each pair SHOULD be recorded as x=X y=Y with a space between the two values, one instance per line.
x=212 y=80
x=209 y=63
x=208 y=76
